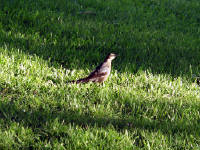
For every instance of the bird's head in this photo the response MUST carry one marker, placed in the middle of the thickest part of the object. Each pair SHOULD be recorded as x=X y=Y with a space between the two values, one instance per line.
x=111 y=56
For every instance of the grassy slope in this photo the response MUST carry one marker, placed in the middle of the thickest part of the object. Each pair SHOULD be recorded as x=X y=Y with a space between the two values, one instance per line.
x=149 y=101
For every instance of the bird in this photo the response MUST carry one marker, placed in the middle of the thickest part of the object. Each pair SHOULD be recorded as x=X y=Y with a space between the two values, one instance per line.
x=101 y=73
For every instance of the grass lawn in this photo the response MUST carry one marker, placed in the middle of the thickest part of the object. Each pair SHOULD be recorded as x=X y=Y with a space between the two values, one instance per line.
x=150 y=101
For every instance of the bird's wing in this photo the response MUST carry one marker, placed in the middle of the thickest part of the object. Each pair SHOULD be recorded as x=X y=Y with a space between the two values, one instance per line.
x=100 y=71
x=97 y=73
x=96 y=76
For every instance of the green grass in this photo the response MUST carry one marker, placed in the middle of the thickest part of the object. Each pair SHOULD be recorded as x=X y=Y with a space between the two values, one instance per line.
x=150 y=101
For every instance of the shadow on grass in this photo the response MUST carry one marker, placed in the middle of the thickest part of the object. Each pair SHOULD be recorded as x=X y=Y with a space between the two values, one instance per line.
x=80 y=41
x=41 y=119
x=174 y=62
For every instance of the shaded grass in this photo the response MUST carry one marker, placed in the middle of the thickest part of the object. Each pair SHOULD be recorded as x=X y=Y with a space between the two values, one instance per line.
x=149 y=101
x=137 y=31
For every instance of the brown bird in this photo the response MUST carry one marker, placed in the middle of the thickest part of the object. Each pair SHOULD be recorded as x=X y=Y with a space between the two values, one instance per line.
x=101 y=73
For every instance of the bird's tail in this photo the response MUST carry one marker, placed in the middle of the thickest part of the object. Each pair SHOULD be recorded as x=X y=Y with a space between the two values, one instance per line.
x=83 y=80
